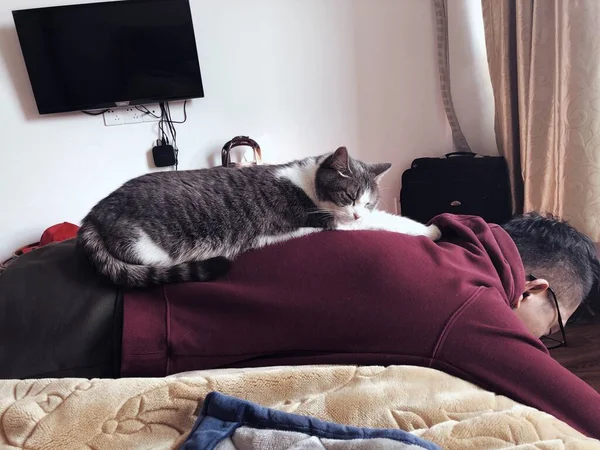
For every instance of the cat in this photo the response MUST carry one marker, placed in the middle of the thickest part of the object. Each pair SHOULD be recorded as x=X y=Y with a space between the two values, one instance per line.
x=168 y=227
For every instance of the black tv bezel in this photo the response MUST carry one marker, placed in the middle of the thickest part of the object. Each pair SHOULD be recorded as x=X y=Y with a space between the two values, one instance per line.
x=119 y=103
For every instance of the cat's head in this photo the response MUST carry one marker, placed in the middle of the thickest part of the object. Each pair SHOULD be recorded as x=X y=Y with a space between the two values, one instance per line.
x=347 y=187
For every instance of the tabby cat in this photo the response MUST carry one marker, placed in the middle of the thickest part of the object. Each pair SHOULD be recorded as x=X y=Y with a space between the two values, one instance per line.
x=170 y=227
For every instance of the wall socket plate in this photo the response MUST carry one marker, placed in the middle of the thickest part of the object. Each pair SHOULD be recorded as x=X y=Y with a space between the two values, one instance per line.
x=113 y=117
x=130 y=114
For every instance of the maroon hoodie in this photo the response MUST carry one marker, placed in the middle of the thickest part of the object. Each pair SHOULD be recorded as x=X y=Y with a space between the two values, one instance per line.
x=363 y=298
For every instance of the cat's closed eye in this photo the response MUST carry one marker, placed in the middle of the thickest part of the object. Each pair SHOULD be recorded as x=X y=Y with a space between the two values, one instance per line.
x=349 y=198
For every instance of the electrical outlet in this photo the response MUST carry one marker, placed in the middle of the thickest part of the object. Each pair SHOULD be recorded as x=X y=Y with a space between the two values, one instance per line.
x=113 y=117
x=137 y=115
x=128 y=115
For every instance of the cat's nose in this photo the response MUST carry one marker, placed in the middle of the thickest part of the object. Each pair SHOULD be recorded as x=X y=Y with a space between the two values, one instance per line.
x=356 y=216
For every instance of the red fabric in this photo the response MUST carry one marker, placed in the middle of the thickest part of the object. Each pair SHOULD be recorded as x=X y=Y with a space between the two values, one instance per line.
x=363 y=298
x=56 y=233
x=59 y=233
x=27 y=249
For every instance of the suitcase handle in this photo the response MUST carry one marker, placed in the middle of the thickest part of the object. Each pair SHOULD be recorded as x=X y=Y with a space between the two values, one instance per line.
x=471 y=154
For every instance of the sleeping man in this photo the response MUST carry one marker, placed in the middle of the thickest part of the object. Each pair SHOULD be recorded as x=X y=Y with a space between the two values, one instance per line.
x=474 y=304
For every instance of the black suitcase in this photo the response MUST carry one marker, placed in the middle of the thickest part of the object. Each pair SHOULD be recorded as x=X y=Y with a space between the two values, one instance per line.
x=459 y=183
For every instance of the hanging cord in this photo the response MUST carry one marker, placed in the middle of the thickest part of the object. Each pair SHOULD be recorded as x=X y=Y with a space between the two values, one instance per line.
x=167 y=134
x=95 y=113
x=441 y=17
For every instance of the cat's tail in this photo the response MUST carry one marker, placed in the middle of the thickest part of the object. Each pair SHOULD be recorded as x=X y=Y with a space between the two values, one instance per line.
x=129 y=275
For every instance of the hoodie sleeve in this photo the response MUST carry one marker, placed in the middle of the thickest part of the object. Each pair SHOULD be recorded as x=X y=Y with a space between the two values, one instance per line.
x=487 y=344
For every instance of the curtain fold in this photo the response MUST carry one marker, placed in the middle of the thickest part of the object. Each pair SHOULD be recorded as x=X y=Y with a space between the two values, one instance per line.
x=544 y=60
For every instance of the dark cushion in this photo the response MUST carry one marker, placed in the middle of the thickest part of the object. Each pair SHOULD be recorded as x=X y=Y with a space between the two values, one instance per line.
x=58 y=318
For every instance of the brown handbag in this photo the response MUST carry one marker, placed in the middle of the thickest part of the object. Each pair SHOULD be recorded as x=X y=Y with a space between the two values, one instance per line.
x=240 y=141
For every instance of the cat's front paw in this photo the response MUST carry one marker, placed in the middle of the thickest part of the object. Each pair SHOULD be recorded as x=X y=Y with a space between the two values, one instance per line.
x=433 y=232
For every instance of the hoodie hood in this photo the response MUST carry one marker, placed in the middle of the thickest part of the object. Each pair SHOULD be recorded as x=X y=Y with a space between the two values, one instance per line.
x=495 y=242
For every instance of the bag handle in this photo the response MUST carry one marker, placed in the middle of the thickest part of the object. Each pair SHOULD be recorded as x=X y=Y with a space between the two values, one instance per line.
x=240 y=141
x=453 y=154
x=441 y=17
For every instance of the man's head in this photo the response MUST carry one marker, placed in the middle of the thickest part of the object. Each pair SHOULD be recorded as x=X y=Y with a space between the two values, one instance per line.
x=558 y=256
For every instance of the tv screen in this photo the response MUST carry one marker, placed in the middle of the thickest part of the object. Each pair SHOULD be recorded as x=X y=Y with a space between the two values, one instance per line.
x=101 y=55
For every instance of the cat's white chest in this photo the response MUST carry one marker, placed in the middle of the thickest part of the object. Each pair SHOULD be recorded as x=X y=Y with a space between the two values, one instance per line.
x=302 y=176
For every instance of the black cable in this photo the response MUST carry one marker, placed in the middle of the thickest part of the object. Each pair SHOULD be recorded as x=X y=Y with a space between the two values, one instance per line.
x=173 y=132
x=167 y=130
x=161 y=124
x=170 y=123
x=184 y=113
x=98 y=113
x=146 y=111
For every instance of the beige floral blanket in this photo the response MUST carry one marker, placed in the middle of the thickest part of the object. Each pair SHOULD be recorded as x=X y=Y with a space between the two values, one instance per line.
x=159 y=413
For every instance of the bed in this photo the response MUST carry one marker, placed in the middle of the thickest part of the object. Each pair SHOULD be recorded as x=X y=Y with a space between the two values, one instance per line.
x=158 y=413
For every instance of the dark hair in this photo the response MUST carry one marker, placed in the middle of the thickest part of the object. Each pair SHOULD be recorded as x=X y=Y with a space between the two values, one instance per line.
x=550 y=248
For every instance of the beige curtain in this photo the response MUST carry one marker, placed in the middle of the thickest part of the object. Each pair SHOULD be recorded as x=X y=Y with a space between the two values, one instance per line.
x=544 y=59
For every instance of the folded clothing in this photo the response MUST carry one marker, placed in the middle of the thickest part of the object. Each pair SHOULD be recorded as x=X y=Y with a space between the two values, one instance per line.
x=229 y=423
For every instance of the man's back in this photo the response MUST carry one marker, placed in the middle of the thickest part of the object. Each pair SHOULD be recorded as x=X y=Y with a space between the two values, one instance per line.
x=356 y=298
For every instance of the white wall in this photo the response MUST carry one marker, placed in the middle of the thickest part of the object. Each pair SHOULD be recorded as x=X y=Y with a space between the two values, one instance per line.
x=470 y=77
x=300 y=76
x=401 y=114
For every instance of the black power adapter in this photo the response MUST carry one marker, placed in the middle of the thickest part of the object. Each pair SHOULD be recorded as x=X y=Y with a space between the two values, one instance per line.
x=164 y=155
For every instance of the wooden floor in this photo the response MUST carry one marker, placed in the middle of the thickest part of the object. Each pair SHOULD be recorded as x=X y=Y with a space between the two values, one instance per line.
x=582 y=356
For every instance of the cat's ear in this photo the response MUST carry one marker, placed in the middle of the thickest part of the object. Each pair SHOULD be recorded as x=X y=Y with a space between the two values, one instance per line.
x=379 y=170
x=340 y=160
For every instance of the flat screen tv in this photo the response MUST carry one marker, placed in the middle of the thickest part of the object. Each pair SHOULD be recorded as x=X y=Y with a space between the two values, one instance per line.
x=102 y=55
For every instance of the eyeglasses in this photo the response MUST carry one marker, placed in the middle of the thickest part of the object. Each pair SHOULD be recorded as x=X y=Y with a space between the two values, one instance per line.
x=549 y=342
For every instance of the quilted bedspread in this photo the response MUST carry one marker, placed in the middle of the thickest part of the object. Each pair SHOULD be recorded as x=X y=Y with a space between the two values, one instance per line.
x=159 y=413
